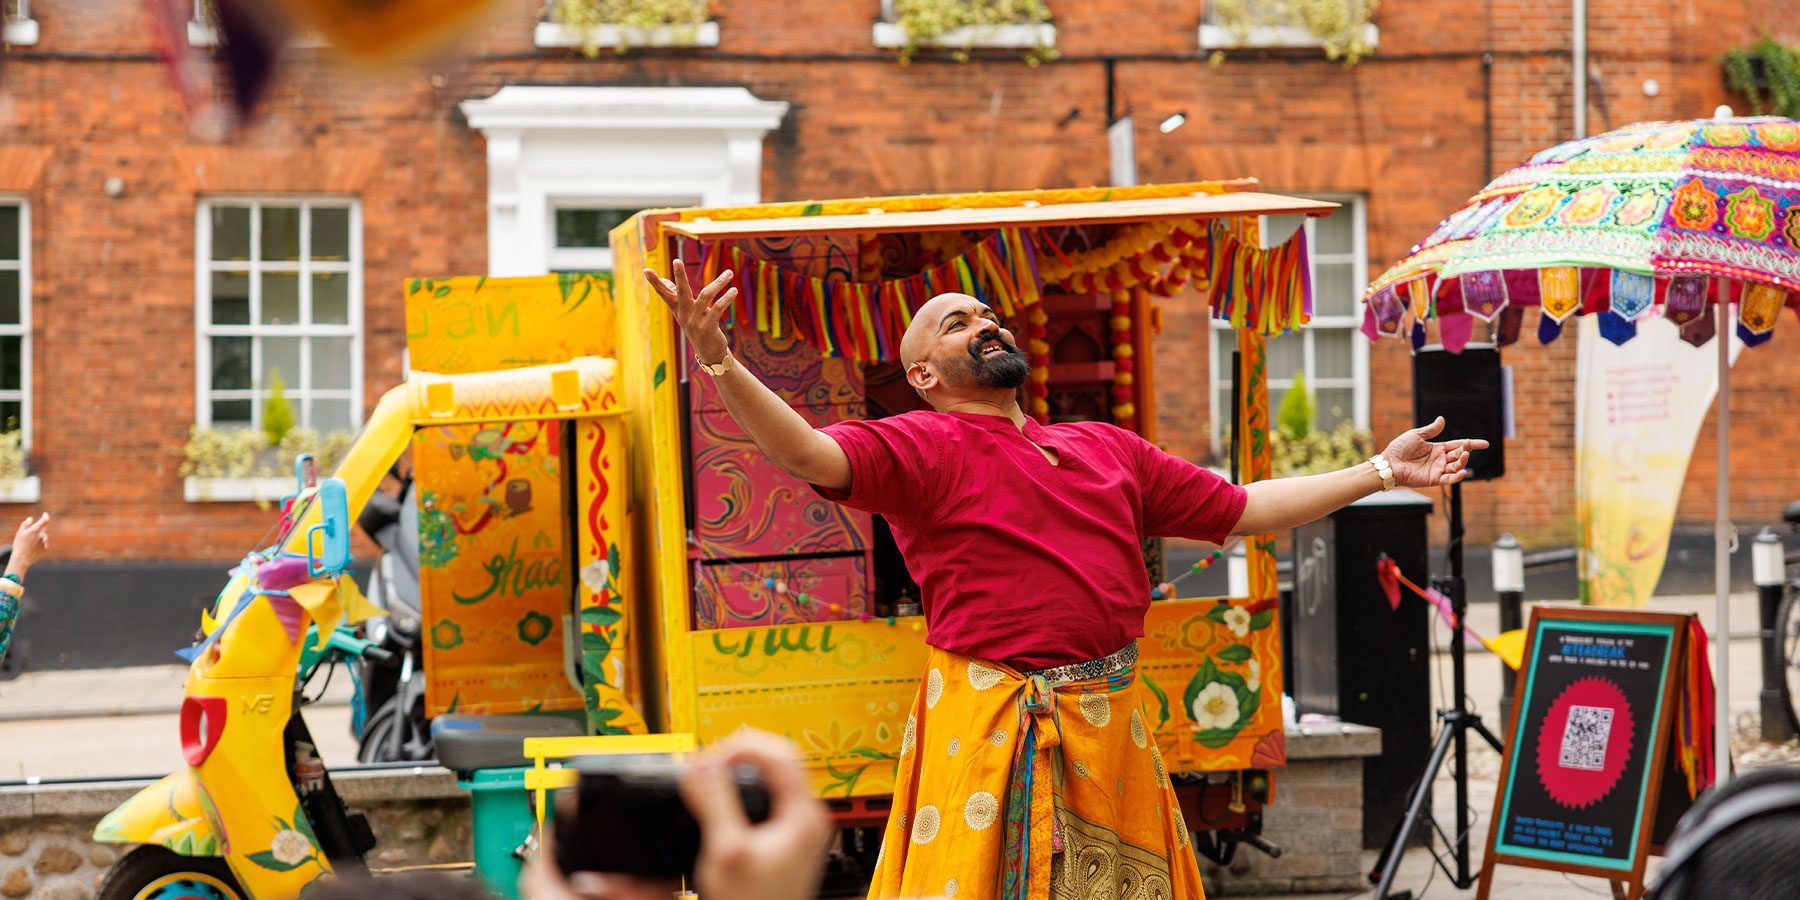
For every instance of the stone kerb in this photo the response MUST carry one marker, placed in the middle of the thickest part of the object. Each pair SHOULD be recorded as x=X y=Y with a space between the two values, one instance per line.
x=46 y=830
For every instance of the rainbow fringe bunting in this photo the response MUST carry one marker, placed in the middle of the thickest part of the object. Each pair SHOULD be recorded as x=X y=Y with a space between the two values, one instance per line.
x=1267 y=290
x=864 y=320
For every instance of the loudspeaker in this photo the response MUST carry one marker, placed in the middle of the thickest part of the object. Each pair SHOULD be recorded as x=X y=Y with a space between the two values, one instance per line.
x=1356 y=657
x=1464 y=388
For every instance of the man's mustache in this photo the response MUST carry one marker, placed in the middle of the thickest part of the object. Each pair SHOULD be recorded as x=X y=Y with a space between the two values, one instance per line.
x=978 y=347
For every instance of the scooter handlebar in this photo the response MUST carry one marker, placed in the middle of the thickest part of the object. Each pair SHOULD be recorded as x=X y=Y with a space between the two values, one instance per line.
x=346 y=642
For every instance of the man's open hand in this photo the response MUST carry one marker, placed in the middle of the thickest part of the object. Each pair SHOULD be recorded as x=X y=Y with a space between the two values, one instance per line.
x=1420 y=463
x=697 y=316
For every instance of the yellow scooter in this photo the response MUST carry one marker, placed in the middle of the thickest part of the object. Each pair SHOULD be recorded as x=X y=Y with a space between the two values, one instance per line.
x=285 y=613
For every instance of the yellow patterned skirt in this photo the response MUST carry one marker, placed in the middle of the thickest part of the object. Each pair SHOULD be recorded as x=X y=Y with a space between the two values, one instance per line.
x=1015 y=786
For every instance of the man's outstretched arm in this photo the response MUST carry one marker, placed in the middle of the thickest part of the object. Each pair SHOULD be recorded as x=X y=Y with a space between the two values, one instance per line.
x=779 y=432
x=1283 y=503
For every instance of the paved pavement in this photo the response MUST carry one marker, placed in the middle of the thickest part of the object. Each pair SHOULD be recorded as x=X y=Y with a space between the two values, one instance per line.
x=91 y=723
x=122 y=722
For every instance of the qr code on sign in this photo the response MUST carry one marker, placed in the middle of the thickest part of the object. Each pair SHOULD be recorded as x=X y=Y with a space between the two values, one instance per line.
x=1585 y=736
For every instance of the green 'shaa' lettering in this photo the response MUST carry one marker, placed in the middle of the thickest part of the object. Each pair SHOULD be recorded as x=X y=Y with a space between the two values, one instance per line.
x=510 y=576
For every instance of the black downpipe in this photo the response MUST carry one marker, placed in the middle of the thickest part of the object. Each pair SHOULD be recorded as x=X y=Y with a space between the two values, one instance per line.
x=1487 y=117
x=1111 y=90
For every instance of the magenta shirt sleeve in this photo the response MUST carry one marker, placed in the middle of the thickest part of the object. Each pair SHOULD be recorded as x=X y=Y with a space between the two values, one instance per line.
x=894 y=464
x=1184 y=500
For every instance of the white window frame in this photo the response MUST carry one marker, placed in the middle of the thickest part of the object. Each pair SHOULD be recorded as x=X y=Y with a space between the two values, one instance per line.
x=1216 y=36
x=1224 y=339
x=596 y=259
x=889 y=35
x=25 y=490
x=205 y=330
x=202 y=32
x=611 y=146
x=21 y=28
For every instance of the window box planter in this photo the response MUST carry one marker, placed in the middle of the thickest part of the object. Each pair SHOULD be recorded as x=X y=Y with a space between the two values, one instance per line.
x=890 y=36
x=556 y=34
x=235 y=490
x=19 y=490
x=1272 y=37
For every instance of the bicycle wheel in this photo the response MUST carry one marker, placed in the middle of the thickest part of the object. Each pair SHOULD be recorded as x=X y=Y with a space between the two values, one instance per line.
x=1787 y=638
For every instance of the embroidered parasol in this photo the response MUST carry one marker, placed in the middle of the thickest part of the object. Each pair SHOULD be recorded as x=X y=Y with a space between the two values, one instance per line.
x=1659 y=217
x=1697 y=222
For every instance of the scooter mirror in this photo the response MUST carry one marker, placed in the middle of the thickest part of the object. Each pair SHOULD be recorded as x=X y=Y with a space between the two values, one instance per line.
x=328 y=543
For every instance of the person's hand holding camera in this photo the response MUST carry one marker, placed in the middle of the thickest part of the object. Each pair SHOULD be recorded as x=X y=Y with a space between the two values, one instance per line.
x=781 y=858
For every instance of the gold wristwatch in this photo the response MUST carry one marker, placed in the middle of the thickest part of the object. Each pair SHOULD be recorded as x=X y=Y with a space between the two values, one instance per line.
x=723 y=366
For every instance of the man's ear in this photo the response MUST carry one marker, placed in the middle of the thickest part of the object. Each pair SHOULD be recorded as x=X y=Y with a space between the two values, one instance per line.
x=921 y=377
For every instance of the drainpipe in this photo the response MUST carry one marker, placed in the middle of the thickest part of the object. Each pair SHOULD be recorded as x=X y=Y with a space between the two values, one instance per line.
x=1580 y=55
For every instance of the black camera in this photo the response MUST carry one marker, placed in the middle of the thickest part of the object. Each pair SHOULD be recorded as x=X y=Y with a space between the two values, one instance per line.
x=628 y=817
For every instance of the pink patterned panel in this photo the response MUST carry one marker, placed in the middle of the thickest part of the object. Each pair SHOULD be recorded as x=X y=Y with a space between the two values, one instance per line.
x=745 y=506
x=729 y=595
x=790 y=367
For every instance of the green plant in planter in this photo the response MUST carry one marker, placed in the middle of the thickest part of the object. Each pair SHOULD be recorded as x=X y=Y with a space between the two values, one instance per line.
x=1322 y=451
x=586 y=17
x=247 y=453
x=14 y=464
x=925 y=21
x=1338 y=24
x=222 y=452
x=1295 y=418
x=1768 y=75
x=278 y=414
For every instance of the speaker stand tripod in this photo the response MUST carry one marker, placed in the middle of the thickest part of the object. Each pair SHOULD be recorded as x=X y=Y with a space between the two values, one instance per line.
x=1456 y=723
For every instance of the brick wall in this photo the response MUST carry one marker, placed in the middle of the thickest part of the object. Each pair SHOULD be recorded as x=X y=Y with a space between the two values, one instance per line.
x=114 y=278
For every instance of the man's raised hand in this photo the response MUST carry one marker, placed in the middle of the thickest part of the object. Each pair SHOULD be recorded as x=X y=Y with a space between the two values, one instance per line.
x=698 y=316
x=1419 y=462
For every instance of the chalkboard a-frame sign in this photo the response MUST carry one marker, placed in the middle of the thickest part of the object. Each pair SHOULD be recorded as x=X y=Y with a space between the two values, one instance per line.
x=1588 y=768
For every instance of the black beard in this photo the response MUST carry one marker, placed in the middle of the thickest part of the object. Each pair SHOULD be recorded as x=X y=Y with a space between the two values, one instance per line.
x=1006 y=371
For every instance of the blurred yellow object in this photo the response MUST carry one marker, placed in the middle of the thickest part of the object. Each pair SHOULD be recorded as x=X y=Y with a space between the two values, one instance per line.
x=1509 y=646
x=375 y=30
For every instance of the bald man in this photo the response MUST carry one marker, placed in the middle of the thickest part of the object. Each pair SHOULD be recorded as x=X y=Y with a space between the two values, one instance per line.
x=1026 y=766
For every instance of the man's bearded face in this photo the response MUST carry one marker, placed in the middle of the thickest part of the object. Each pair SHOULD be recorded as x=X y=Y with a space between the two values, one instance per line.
x=995 y=362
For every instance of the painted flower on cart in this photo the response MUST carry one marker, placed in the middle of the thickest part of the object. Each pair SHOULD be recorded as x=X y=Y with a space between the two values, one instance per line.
x=1254 y=682
x=1220 y=701
x=290 y=847
x=1216 y=707
x=1237 y=619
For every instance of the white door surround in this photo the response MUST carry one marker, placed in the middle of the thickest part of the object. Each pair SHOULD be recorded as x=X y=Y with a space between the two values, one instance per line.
x=618 y=147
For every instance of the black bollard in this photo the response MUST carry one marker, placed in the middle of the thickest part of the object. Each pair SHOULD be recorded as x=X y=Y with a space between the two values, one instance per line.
x=1509 y=588
x=1769 y=568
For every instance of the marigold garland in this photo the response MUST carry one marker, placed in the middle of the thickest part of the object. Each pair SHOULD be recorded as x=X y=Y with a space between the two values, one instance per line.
x=1037 y=390
x=1136 y=257
x=1123 y=386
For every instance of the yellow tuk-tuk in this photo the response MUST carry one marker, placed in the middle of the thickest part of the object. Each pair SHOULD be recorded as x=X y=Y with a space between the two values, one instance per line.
x=727 y=594
x=603 y=552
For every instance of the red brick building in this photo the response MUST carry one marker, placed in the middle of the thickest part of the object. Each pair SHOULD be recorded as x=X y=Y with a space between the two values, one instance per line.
x=161 y=277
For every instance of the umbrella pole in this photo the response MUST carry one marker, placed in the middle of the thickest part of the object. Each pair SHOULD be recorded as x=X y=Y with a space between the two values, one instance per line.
x=1722 y=558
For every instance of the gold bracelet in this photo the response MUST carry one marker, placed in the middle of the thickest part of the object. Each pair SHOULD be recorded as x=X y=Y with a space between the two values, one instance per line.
x=1384 y=469
x=12 y=588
